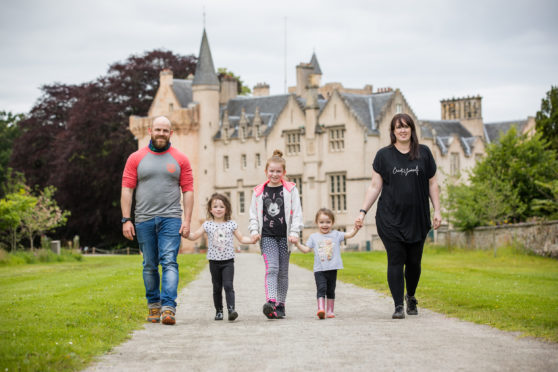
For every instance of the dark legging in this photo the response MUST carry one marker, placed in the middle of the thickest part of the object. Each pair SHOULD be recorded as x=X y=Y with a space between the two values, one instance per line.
x=403 y=254
x=222 y=275
x=325 y=283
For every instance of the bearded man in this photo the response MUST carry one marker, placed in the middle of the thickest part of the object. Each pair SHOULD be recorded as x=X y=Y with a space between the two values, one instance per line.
x=159 y=174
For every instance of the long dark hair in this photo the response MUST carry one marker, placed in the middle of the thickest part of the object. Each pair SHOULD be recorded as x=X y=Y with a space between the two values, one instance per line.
x=225 y=201
x=407 y=120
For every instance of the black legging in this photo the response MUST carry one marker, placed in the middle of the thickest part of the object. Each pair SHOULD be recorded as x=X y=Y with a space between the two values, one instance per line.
x=403 y=254
x=325 y=283
x=222 y=275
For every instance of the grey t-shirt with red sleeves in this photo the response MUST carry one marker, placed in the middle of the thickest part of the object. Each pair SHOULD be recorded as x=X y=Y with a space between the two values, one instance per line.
x=159 y=179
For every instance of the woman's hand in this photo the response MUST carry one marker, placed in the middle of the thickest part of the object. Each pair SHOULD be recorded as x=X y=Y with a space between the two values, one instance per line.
x=359 y=221
x=293 y=239
x=437 y=221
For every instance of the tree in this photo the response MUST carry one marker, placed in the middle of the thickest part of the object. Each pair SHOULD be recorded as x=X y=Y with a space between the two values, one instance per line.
x=76 y=138
x=549 y=205
x=44 y=216
x=9 y=131
x=12 y=208
x=503 y=186
x=547 y=118
x=242 y=89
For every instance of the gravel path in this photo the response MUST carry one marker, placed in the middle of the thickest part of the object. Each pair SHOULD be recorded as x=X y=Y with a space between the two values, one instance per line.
x=362 y=337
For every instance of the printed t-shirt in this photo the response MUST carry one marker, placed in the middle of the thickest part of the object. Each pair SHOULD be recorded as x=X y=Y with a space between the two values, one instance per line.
x=327 y=252
x=159 y=178
x=274 y=223
x=220 y=239
x=403 y=212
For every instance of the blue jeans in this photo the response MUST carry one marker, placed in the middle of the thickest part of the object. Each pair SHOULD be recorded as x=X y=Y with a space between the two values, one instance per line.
x=159 y=240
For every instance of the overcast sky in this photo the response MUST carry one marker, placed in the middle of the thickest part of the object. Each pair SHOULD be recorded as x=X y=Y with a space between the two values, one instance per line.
x=505 y=51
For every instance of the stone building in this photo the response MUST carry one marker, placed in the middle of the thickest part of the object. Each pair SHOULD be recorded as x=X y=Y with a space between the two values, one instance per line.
x=329 y=135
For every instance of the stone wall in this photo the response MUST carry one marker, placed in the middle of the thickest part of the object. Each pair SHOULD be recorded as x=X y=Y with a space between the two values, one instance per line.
x=538 y=237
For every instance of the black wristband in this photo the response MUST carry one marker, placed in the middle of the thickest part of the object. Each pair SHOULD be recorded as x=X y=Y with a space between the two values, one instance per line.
x=363 y=211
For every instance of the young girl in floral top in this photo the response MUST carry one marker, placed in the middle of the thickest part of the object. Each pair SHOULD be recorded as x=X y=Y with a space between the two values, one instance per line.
x=219 y=229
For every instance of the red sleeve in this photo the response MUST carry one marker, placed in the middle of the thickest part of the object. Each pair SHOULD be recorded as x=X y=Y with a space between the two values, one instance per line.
x=130 y=175
x=186 y=177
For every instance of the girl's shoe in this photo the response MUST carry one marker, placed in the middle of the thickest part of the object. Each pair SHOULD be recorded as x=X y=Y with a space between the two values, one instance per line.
x=321 y=307
x=219 y=314
x=330 y=305
x=280 y=311
x=232 y=313
x=269 y=310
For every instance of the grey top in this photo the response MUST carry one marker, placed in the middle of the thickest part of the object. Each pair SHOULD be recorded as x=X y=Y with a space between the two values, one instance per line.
x=159 y=180
x=327 y=251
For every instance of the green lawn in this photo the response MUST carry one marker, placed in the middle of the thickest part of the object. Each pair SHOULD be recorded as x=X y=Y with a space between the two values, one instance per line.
x=58 y=316
x=513 y=291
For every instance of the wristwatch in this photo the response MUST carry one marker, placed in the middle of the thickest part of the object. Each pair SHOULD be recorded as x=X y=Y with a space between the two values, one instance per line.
x=125 y=219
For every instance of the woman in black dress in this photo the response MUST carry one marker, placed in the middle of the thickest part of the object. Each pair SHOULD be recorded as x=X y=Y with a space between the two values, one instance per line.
x=405 y=174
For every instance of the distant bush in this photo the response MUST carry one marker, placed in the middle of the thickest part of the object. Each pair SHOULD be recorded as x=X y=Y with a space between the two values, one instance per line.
x=38 y=256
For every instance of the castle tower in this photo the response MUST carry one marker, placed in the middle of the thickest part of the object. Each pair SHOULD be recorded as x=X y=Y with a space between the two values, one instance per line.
x=205 y=88
x=468 y=110
x=304 y=71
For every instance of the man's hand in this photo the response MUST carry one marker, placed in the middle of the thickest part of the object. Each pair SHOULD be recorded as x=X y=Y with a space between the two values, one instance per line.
x=128 y=230
x=184 y=229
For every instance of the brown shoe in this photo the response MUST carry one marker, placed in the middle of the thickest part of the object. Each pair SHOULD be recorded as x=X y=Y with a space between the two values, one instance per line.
x=168 y=317
x=154 y=315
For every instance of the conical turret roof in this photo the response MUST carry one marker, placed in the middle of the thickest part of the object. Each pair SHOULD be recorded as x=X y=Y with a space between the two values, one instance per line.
x=315 y=64
x=205 y=70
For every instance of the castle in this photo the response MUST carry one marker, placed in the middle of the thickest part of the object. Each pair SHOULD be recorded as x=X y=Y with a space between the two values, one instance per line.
x=328 y=134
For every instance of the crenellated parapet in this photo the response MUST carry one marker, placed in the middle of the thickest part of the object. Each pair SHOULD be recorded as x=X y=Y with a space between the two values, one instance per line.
x=183 y=120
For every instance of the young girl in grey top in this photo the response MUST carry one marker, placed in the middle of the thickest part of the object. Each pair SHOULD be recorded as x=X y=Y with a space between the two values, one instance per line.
x=327 y=258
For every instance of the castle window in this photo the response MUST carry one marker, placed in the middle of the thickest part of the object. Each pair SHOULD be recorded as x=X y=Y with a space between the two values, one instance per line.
x=338 y=192
x=337 y=139
x=241 y=202
x=171 y=107
x=258 y=131
x=243 y=162
x=293 y=142
x=398 y=108
x=298 y=181
x=258 y=160
x=454 y=164
x=225 y=162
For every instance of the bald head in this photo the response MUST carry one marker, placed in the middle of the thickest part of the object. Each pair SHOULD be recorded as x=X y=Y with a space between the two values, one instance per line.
x=161 y=121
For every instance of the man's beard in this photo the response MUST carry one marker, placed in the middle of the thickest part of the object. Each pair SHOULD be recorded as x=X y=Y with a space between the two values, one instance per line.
x=155 y=142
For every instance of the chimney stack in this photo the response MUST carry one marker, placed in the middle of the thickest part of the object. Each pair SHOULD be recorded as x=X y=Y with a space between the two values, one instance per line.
x=261 y=90
x=165 y=77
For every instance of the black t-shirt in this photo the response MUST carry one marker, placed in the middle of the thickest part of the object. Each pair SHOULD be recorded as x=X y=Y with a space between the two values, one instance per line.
x=274 y=223
x=403 y=212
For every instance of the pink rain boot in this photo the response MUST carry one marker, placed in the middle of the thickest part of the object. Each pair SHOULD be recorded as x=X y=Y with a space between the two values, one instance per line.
x=330 y=304
x=321 y=307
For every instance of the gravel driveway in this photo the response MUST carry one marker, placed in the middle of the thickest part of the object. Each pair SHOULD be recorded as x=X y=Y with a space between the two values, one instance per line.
x=362 y=337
